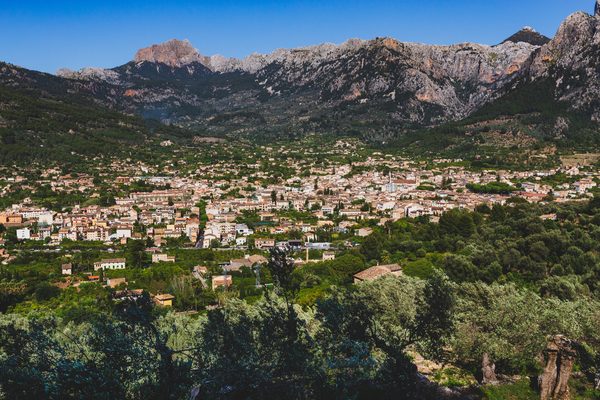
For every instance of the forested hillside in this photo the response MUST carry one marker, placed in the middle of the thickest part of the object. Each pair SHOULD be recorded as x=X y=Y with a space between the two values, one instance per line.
x=46 y=120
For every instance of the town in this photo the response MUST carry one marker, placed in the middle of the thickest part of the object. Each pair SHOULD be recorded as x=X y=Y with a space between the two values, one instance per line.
x=244 y=209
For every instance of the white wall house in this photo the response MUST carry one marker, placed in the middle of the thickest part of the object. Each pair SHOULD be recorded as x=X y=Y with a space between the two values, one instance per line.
x=24 y=233
x=110 y=263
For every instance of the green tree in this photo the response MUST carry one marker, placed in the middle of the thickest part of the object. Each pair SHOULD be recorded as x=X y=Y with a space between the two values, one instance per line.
x=498 y=323
x=44 y=291
x=371 y=246
x=136 y=252
x=498 y=213
x=348 y=265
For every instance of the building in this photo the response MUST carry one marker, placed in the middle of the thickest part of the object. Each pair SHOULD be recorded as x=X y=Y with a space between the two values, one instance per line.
x=164 y=300
x=124 y=231
x=162 y=257
x=391 y=187
x=351 y=213
x=242 y=229
x=114 y=282
x=219 y=280
x=364 y=232
x=67 y=269
x=46 y=218
x=264 y=243
x=377 y=271
x=11 y=218
x=159 y=195
x=23 y=234
x=328 y=255
x=110 y=263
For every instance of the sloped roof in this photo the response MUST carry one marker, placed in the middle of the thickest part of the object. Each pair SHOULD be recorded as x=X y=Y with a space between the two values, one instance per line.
x=377 y=271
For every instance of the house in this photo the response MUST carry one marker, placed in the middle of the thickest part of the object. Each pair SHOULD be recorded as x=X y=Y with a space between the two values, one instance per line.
x=47 y=218
x=406 y=184
x=114 y=282
x=201 y=270
x=583 y=185
x=207 y=239
x=94 y=278
x=43 y=233
x=219 y=280
x=242 y=229
x=388 y=205
x=164 y=300
x=67 y=269
x=124 y=231
x=377 y=271
x=249 y=261
x=328 y=255
x=530 y=187
x=364 y=232
x=327 y=210
x=351 y=213
x=11 y=218
x=264 y=243
x=162 y=257
x=110 y=263
x=241 y=241
x=24 y=233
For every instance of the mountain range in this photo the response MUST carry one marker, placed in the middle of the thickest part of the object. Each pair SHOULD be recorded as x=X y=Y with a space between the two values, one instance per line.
x=379 y=89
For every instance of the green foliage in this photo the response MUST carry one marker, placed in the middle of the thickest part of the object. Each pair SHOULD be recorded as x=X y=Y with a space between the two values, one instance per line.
x=517 y=391
x=420 y=269
x=371 y=246
x=45 y=291
x=457 y=222
x=492 y=187
x=126 y=358
x=270 y=349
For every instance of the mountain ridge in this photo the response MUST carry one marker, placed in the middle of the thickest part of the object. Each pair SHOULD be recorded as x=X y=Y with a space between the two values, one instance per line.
x=380 y=87
x=528 y=35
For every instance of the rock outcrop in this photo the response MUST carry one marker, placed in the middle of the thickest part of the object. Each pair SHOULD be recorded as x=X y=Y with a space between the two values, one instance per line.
x=528 y=35
x=597 y=9
x=64 y=72
x=174 y=53
x=553 y=382
x=572 y=60
x=429 y=85
x=455 y=80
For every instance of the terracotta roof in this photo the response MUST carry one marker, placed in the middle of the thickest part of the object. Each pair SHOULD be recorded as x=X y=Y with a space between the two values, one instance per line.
x=392 y=267
x=377 y=271
x=372 y=273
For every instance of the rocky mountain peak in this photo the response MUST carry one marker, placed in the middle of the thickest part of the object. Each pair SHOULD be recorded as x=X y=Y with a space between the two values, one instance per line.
x=529 y=35
x=175 y=53
x=64 y=72
x=597 y=9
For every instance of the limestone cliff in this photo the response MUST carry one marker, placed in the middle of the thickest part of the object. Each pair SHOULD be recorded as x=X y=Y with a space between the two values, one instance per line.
x=174 y=53
x=422 y=85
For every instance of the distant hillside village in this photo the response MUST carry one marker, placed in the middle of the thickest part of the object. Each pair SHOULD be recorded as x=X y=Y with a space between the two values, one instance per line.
x=325 y=210
x=329 y=194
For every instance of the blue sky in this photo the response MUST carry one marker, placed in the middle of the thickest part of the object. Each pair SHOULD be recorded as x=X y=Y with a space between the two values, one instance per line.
x=47 y=35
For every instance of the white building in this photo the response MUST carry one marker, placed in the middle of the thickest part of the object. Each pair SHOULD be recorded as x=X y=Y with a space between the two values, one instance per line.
x=110 y=263
x=124 y=231
x=24 y=233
